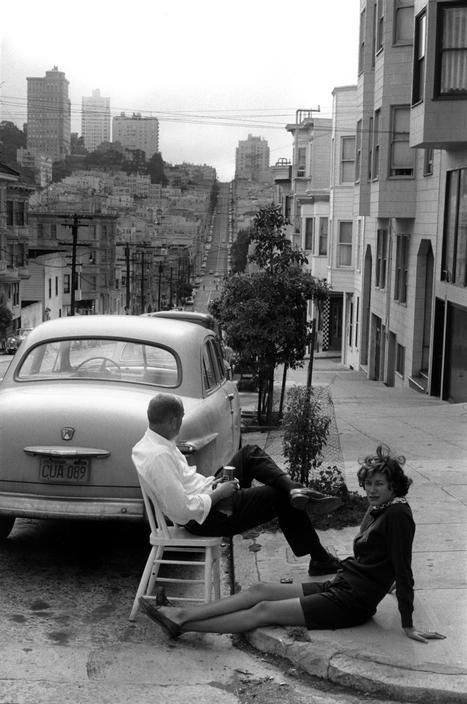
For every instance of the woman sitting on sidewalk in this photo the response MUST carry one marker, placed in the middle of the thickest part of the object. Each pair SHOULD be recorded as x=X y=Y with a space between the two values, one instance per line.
x=382 y=555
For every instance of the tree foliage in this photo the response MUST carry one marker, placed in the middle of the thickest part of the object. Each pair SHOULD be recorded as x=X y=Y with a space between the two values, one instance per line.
x=11 y=139
x=263 y=314
x=239 y=250
x=6 y=317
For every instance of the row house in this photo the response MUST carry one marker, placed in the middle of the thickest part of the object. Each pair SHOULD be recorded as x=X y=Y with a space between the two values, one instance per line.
x=396 y=247
x=74 y=264
x=14 y=233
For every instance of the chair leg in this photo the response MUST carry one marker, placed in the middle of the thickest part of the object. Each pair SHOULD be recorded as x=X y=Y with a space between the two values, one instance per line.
x=145 y=580
x=155 y=571
x=217 y=573
x=208 y=574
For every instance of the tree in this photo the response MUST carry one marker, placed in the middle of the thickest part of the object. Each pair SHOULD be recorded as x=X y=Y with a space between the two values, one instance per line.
x=239 y=250
x=11 y=139
x=263 y=314
x=5 y=319
x=155 y=168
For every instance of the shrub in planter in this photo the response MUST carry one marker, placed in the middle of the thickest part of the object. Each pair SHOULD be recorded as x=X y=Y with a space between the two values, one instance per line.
x=305 y=428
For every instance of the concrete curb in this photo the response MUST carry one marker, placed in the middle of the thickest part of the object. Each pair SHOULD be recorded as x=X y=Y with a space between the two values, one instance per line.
x=362 y=672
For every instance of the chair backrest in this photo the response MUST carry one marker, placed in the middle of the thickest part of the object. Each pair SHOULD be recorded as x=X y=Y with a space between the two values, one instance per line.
x=154 y=512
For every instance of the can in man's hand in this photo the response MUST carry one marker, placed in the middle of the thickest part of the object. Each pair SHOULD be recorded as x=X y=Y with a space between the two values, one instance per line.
x=228 y=473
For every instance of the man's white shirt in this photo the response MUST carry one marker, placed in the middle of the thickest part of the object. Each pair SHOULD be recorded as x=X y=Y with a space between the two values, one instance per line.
x=182 y=492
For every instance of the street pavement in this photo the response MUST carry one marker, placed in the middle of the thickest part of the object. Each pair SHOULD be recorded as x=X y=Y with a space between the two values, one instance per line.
x=377 y=657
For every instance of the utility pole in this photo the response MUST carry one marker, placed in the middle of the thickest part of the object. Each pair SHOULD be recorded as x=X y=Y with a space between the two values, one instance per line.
x=127 y=262
x=74 y=232
x=142 y=281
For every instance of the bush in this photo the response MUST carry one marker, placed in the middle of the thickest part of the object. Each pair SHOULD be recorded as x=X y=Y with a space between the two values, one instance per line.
x=305 y=429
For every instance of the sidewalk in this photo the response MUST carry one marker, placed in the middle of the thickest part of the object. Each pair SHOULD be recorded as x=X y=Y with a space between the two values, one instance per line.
x=377 y=657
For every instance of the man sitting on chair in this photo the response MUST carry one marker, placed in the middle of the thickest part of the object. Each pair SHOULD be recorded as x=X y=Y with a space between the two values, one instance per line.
x=209 y=506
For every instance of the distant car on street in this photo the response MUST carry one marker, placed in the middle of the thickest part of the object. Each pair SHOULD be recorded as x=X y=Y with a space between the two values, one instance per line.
x=73 y=403
x=14 y=341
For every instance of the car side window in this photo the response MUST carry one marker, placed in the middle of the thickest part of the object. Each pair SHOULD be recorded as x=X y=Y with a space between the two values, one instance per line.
x=209 y=373
x=219 y=359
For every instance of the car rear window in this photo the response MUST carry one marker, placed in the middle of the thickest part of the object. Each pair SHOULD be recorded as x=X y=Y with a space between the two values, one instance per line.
x=104 y=359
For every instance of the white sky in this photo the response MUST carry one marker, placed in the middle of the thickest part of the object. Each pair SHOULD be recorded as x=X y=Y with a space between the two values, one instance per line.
x=194 y=64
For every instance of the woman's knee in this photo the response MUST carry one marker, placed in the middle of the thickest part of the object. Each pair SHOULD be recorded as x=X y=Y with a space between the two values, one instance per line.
x=259 y=591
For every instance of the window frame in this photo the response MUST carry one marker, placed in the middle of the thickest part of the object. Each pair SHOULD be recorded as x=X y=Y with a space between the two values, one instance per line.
x=323 y=235
x=419 y=59
x=308 y=234
x=395 y=138
x=344 y=247
x=454 y=245
x=399 y=7
x=347 y=161
x=381 y=258
x=358 y=151
x=443 y=8
x=401 y=268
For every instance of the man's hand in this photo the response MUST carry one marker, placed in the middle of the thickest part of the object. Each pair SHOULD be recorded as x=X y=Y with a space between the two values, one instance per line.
x=423 y=636
x=224 y=490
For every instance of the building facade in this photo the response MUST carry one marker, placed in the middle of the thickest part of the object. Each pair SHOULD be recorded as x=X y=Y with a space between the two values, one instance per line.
x=49 y=115
x=252 y=159
x=95 y=120
x=136 y=133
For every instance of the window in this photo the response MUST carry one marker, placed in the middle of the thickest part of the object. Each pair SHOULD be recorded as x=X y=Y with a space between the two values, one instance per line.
x=402 y=156
x=66 y=283
x=375 y=168
x=309 y=233
x=209 y=373
x=49 y=281
x=428 y=162
x=301 y=161
x=361 y=52
x=323 y=236
x=53 y=230
x=400 y=359
x=379 y=25
x=347 y=159
x=451 y=61
x=418 y=87
x=381 y=258
x=357 y=320
x=359 y=245
x=453 y=265
x=20 y=213
x=403 y=21
x=56 y=285
x=402 y=257
x=351 y=323
x=9 y=212
x=370 y=147
x=358 y=151
x=344 y=244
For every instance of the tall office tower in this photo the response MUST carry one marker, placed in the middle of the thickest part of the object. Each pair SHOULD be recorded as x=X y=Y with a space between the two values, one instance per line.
x=252 y=159
x=49 y=115
x=95 y=120
x=136 y=132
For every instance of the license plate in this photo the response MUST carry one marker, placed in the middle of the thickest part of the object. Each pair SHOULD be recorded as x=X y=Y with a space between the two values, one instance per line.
x=64 y=471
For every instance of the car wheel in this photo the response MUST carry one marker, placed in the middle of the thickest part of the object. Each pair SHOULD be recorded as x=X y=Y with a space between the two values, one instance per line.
x=6 y=525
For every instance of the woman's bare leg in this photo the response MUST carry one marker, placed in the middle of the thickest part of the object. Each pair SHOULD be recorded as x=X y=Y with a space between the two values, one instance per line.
x=287 y=612
x=261 y=591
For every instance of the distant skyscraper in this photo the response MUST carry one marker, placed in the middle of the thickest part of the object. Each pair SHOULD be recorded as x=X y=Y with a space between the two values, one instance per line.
x=95 y=120
x=136 y=132
x=252 y=159
x=49 y=115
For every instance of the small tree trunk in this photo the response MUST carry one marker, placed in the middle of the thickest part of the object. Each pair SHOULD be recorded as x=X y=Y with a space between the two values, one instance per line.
x=284 y=378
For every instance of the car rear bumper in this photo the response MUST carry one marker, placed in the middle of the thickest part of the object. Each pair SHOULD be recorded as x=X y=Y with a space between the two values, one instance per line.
x=23 y=506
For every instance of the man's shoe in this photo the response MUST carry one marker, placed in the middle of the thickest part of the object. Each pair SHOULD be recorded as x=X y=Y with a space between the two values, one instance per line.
x=314 y=502
x=318 y=567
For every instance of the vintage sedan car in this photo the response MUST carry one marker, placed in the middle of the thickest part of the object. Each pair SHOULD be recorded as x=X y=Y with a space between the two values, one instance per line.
x=73 y=403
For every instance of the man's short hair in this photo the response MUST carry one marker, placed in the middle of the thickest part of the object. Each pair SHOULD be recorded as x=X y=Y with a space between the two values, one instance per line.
x=164 y=406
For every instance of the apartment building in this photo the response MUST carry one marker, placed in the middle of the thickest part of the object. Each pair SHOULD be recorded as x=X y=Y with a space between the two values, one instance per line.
x=49 y=115
x=411 y=154
x=14 y=233
x=252 y=159
x=95 y=120
x=396 y=251
x=136 y=133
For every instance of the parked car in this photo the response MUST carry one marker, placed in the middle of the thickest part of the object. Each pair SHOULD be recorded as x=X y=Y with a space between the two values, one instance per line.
x=73 y=403
x=13 y=341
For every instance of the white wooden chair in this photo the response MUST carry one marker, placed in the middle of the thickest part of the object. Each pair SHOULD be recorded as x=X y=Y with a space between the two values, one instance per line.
x=176 y=539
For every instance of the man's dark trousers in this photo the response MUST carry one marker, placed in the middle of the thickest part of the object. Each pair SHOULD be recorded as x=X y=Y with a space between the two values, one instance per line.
x=252 y=506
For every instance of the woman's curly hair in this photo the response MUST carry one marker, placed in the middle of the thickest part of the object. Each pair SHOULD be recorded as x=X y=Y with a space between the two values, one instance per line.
x=387 y=464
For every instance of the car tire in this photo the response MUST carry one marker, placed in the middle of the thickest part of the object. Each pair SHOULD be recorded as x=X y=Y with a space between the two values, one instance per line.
x=6 y=526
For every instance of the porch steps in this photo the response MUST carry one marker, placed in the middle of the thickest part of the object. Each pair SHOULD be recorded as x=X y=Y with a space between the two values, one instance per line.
x=419 y=382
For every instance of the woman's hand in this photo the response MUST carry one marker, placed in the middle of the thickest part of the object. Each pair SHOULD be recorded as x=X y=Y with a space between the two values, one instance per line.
x=423 y=636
